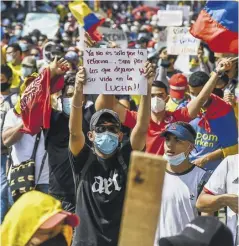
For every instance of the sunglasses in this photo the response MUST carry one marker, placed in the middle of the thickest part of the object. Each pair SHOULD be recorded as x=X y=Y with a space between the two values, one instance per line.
x=111 y=128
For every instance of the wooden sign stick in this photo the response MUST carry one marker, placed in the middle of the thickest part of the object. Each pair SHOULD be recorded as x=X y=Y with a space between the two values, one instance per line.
x=142 y=200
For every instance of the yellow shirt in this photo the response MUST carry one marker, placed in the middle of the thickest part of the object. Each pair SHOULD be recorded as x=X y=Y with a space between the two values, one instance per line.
x=16 y=70
x=171 y=105
x=136 y=99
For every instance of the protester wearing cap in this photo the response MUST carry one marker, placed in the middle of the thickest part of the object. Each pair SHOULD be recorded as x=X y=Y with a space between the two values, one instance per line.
x=37 y=219
x=202 y=231
x=100 y=172
x=182 y=181
x=221 y=191
x=178 y=85
x=160 y=117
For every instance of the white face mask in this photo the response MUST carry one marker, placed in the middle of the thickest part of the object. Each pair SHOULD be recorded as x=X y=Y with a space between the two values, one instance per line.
x=9 y=58
x=26 y=71
x=157 y=104
x=66 y=105
x=175 y=160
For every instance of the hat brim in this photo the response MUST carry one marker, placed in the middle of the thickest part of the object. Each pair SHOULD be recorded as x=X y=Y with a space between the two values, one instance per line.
x=70 y=219
x=98 y=114
x=176 y=133
x=177 y=94
x=179 y=240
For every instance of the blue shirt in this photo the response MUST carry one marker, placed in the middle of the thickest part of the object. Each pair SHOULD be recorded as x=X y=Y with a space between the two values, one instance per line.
x=205 y=143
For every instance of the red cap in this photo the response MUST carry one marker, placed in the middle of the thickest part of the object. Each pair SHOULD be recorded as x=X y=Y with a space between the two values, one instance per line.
x=70 y=219
x=178 y=85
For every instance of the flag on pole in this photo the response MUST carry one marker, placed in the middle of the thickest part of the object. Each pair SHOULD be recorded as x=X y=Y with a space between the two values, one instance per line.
x=86 y=18
x=217 y=25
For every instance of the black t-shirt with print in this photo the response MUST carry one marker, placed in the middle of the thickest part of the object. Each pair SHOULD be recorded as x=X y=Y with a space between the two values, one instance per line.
x=61 y=182
x=100 y=196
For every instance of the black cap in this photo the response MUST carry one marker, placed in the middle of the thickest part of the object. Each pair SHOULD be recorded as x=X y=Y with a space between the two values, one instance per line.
x=96 y=116
x=202 y=231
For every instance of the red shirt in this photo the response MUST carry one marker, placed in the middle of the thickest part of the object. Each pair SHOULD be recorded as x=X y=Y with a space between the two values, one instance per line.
x=155 y=143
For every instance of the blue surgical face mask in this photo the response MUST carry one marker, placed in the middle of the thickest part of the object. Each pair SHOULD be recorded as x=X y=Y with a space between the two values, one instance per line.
x=175 y=160
x=106 y=142
x=26 y=71
x=66 y=105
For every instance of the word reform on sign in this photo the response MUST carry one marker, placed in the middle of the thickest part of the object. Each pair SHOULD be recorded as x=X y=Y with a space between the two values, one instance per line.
x=115 y=71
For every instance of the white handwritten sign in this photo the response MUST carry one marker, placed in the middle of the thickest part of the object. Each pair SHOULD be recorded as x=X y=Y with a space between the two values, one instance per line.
x=170 y=18
x=185 y=9
x=115 y=71
x=181 y=42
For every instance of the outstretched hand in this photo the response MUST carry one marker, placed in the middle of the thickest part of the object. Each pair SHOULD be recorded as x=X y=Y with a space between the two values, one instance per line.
x=149 y=72
x=58 y=67
x=80 y=79
x=88 y=41
x=224 y=65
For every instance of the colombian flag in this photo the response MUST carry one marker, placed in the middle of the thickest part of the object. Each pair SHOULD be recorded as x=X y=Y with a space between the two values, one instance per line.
x=86 y=18
x=220 y=119
x=217 y=25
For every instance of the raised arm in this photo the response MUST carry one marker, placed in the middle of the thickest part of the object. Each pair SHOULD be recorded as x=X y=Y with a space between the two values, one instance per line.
x=77 y=138
x=195 y=105
x=138 y=135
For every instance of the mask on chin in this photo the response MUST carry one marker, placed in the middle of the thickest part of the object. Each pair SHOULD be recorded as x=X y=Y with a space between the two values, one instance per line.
x=157 y=104
x=175 y=160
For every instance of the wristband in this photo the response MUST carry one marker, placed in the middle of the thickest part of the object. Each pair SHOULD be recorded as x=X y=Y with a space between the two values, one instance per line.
x=219 y=74
x=74 y=106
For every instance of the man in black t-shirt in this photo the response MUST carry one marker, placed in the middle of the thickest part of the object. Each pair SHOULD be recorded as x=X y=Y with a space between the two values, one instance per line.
x=61 y=182
x=101 y=171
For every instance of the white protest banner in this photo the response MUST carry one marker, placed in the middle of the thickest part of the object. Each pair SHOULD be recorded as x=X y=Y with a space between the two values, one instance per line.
x=170 y=18
x=115 y=71
x=181 y=42
x=185 y=9
x=116 y=35
x=47 y=24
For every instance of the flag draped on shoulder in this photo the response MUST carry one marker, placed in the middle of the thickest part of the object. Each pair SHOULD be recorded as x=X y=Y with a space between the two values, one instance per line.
x=217 y=25
x=86 y=18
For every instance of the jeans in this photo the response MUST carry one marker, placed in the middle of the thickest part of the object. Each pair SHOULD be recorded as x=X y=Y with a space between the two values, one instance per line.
x=4 y=187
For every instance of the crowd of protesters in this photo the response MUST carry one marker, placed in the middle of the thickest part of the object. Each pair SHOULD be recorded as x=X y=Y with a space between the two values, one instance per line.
x=82 y=158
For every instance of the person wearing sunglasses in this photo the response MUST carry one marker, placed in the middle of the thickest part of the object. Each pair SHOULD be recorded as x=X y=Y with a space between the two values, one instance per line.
x=100 y=172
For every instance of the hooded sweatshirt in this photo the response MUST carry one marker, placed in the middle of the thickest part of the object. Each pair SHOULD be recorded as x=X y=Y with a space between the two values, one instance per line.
x=26 y=216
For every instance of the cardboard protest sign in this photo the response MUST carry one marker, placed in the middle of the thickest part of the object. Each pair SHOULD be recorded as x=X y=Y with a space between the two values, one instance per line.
x=116 y=35
x=115 y=71
x=185 y=9
x=47 y=24
x=181 y=42
x=170 y=18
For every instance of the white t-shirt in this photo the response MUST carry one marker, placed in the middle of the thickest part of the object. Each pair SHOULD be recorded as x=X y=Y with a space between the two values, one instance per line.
x=178 y=205
x=22 y=150
x=224 y=180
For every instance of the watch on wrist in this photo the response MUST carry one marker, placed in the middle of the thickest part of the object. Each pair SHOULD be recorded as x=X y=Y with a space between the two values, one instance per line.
x=219 y=74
